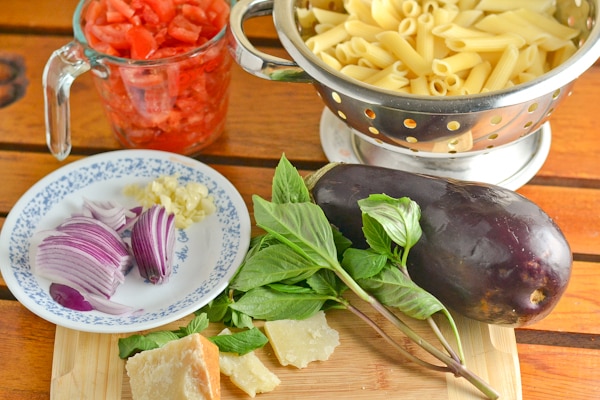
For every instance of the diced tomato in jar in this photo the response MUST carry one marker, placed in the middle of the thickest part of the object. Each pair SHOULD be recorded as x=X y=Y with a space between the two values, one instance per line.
x=177 y=104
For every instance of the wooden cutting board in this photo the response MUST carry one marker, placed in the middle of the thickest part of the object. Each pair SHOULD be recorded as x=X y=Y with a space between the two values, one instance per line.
x=87 y=366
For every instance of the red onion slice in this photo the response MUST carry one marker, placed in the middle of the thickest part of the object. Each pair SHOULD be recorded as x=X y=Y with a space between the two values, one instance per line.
x=153 y=244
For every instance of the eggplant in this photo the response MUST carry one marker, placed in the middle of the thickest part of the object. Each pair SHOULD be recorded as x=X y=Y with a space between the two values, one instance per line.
x=486 y=252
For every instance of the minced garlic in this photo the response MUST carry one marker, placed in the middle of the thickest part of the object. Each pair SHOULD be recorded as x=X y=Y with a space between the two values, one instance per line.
x=190 y=202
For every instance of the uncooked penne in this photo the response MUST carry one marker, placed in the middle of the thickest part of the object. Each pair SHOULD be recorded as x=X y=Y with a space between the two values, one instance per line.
x=358 y=72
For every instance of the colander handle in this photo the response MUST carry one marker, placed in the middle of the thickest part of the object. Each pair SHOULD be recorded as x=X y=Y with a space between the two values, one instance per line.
x=248 y=57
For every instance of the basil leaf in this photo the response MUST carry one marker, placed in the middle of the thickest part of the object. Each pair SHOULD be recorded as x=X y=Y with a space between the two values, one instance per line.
x=398 y=217
x=216 y=309
x=394 y=289
x=196 y=325
x=131 y=345
x=288 y=185
x=292 y=289
x=326 y=282
x=240 y=342
x=275 y=263
x=241 y=320
x=302 y=226
x=362 y=264
x=376 y=236
x=271 y=305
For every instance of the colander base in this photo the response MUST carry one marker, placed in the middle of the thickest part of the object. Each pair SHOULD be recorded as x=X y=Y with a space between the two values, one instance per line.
x=510 y=166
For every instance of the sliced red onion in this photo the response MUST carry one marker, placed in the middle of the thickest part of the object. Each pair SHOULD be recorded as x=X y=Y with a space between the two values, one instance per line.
x=85 y=254
x=153 y=244
x=68 y=297
x=110 y=212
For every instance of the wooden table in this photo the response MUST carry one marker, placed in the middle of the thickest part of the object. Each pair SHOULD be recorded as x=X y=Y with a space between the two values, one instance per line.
x=559 y=356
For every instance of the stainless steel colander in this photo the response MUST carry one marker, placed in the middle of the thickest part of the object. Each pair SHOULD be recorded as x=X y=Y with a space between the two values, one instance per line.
x=420 y=124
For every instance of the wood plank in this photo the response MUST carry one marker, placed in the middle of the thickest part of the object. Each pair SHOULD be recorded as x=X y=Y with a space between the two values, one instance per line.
x=17 y=16
x=267 y=127
x=577 y=368
x=575 y=210
x=26 y=343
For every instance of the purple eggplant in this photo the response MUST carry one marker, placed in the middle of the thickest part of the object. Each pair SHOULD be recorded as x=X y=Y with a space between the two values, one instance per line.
x=486 y=252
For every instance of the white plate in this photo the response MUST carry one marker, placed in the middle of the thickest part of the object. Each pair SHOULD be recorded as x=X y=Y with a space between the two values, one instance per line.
x=207 y=253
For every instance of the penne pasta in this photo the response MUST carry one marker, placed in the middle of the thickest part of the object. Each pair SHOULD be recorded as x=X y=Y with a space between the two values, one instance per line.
x=329 y=17
x=380 y=57
x=455 y=63
x=357 y=28
x=405 y=52
x=437 y=47
x=384 y=14
x=425 y=38
x=477 y=78
x=502 y=72
x=486 y=44
x=539 y=6
x=327 y=39
x=358 y=72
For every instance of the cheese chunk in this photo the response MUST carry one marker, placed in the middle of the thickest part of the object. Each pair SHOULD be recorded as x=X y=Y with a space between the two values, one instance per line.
x=300 y=342
x=184 y=369
x=247 y=372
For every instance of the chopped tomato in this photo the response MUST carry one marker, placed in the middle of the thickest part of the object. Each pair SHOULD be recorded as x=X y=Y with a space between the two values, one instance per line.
x=113 y=34
x=182 y=29
x=121 y=7
x=165 y=9
x=175 y=107
x=142 y=41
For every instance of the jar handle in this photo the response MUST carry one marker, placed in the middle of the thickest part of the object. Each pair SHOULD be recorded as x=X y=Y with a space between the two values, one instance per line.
x=63 y=66
x=248 y=57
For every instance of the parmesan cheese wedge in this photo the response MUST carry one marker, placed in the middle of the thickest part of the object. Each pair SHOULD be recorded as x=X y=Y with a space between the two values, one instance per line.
x=186 y=368
x=300 y=342
x=247 y=372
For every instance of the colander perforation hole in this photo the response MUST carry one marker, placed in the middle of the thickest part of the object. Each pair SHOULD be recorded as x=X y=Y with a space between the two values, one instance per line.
x=411 y=139
x=532 y=108
x=453 y=126
x=528 y=124
x=495 y=120
x=370 y=113
x=342 y=115
x=410 y=123
x=336 y=97
x=556 y=94
x=374 y=130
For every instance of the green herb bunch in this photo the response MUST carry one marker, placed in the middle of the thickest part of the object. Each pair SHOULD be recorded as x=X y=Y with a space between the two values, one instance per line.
x=302 y=264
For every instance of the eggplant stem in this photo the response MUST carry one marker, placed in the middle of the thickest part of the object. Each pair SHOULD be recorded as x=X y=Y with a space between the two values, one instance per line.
x=391 y=341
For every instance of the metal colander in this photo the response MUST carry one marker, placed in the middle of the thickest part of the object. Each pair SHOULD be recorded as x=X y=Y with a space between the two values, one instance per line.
x=420 y=124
